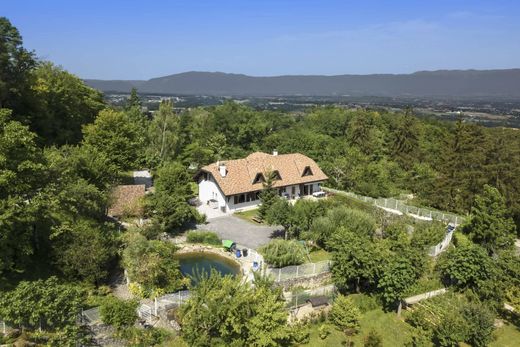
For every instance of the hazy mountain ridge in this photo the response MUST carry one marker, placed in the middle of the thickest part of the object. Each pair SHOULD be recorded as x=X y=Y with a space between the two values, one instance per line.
x=458 y=83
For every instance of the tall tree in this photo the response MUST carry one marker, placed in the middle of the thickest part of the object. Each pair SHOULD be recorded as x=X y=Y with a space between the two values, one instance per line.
x=224 y=311
x=491 y=225
x=114 y=134
x=134 y=100
x=16 y=64
x=268 y=196
x=357 y=262
x=22 y=177
x=64 y=104
x=163 y=135
x=169 y=202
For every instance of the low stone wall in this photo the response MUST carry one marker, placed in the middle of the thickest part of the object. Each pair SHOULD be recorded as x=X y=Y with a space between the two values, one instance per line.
x=307 y=282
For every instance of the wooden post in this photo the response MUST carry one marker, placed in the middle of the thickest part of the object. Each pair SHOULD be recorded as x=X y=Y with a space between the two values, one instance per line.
x=279 y=274
x=297 y=268
x=314 y=270
x=399 y=308
x=155 y=305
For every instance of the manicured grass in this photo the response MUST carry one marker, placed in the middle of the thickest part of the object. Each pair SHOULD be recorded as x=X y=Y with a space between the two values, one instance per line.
x=319 y=255
x=506 y=336
x=248 y=215
x=392 y=330
x=336 y=337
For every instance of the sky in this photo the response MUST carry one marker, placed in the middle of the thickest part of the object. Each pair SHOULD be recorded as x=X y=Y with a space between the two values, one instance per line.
x=115 y=39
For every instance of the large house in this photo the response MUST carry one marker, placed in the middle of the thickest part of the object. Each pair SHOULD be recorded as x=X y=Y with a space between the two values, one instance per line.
x=236 y=184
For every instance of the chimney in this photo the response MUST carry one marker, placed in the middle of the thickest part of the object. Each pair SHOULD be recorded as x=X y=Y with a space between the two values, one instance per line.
x=222 y=169
x=275 y=152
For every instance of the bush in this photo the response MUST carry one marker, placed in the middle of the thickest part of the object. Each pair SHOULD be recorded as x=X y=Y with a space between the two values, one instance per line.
x=118 y=313
x=147 y=337
x=280 y=253
x=373 y=339
x=206 y=237
x=324 y=331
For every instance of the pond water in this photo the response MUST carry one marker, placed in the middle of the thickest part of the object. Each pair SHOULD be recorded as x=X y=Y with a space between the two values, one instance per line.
x=191 y=263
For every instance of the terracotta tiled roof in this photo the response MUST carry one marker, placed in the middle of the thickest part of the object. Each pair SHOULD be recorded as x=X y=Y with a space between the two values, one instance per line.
x=240 y=173
x=126 y=199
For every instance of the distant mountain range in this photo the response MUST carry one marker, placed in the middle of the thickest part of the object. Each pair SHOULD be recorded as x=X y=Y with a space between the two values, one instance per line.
x=442 y=83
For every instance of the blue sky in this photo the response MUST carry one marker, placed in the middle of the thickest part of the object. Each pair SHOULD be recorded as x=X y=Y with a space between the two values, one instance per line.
x=129 y=39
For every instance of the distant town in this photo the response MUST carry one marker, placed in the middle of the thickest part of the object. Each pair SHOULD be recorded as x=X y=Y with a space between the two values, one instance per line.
x=485 y=111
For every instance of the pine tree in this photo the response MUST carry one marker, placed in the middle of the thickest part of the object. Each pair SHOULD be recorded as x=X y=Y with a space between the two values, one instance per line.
x=133 y=100
x=490 y=225
x=268 y=196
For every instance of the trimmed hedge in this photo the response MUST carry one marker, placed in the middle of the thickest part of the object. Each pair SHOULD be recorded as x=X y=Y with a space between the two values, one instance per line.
x=207 y=237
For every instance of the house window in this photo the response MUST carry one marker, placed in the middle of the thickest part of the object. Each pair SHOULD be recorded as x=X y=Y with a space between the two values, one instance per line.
x=307 y=171
x=259 y=178
x=281 y=190
x=293 y=190
x=276 y=175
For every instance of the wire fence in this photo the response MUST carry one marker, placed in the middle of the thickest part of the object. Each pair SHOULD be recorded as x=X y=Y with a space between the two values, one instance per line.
x=295 y=300
x=298 y=271
x=399 y=207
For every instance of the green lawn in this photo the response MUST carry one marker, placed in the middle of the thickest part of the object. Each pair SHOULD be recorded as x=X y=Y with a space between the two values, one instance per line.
x=319 y=255
x=393 y=331
x=248 y=215
x=506 y=336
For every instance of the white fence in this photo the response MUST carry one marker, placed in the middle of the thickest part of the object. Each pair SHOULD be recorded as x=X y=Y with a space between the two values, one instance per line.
x=297 y=271
x=399 y=207
x=441 y=246
x=161 y=304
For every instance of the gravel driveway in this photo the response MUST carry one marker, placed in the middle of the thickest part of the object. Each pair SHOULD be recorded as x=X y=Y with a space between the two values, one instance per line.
x=242 y=232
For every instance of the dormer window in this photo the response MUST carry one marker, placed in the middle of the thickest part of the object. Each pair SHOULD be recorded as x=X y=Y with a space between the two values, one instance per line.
x=276 y=175
x=307 y=171
x=259 y=178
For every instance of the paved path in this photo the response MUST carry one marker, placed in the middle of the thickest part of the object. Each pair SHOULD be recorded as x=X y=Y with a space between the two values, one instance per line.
x=242 y=232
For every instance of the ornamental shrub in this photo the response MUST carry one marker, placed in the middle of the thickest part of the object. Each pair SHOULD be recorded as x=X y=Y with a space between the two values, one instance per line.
x=280 y=253
x=206 y=237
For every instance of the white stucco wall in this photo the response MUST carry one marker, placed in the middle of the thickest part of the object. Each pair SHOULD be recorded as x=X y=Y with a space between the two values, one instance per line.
x=209 y=190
